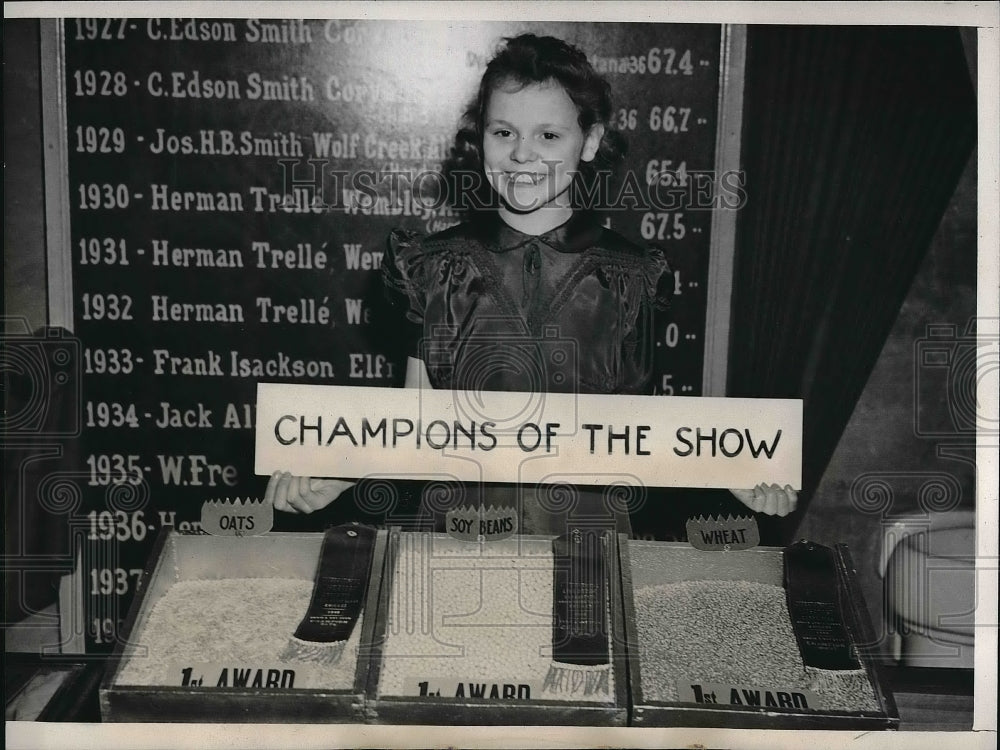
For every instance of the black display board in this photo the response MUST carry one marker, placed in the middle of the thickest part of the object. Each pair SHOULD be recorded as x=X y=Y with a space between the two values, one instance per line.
x=230 y=191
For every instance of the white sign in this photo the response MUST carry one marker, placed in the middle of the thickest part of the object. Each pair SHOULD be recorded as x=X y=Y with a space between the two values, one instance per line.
x=529 y=438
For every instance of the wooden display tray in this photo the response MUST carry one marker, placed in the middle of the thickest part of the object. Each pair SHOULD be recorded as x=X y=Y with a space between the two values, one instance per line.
x=441 y=710
x=177 y=557
x=676 y=562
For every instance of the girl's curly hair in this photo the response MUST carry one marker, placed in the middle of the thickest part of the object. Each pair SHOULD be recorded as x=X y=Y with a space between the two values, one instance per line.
x=524 y=60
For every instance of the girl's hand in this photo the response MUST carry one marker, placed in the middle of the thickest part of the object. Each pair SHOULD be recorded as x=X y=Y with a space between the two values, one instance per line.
x=302 y=494
x=769 y=499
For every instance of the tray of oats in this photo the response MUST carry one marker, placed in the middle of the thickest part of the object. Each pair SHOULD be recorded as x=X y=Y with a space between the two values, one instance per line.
x=467 y=633
x=711 y=642
x=211 y=633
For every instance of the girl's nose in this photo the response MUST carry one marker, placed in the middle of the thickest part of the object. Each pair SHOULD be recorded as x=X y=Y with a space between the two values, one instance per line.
x=523 y=151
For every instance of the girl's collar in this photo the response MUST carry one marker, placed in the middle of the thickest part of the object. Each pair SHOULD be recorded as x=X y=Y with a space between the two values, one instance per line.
x=579 y=232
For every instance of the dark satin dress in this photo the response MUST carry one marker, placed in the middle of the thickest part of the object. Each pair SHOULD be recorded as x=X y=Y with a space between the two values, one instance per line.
x=493 y=309
x=567 y=311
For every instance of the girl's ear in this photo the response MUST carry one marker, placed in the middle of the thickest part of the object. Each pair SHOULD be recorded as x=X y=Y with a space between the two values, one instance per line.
x=592 y=142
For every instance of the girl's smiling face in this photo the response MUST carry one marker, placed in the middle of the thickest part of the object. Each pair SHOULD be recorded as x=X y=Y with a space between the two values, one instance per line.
x=532 y=146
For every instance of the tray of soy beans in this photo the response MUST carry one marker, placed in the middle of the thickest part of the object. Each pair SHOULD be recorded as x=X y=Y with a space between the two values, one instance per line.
x=525 y=630
x=754 y=638
x=211 y=635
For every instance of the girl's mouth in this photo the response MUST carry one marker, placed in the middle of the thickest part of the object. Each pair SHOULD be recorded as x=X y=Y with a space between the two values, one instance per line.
x=525 y=178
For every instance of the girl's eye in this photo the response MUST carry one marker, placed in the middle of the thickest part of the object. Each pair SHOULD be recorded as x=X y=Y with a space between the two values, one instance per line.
x=502 y=132
x=550 y=136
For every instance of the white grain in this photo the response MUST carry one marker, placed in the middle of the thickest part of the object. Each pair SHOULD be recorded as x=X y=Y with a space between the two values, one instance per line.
x=243 y=622
x=731 y=632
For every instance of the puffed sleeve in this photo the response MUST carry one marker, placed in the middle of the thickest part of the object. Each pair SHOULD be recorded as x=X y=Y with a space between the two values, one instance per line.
x=659 y=279
x=403 y=277
x=402 y=274
x=657 y=286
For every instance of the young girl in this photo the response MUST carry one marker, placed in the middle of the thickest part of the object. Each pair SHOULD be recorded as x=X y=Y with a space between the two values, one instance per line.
x=531 y=294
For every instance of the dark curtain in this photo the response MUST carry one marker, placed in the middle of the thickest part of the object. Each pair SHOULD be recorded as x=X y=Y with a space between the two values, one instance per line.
x=853 y=141
x=39 y=450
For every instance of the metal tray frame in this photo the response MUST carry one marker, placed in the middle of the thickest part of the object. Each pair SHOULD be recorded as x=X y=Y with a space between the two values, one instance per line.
x=650 y=713
x=482 y=711
x=153 y=703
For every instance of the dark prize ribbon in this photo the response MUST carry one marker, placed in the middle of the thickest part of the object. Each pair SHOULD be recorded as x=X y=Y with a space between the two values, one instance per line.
x=337 y=596
x=813 y=605
x=580 y=599
x=581 y=663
